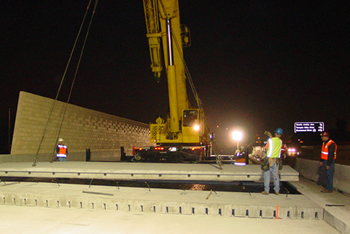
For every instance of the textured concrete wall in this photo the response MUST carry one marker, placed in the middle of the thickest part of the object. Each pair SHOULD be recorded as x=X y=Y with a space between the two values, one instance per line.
x=311 y=169
x=81 y=129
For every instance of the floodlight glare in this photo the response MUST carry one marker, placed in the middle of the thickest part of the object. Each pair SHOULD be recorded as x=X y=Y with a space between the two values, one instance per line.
x=237 y=135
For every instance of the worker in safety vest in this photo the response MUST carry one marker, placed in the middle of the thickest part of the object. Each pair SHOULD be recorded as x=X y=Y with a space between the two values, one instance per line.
x=61 y=151
x=283 y=150
x=241 y=157
x=328 y=155
x=273 y=147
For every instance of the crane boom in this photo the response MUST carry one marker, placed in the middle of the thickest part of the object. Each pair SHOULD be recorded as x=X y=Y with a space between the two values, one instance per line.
x=184 y=125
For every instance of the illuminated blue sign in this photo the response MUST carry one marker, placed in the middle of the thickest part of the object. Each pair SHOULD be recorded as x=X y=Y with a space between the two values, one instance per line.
x=308 y=127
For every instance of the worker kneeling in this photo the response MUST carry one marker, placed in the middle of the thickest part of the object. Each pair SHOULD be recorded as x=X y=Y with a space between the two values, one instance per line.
x=272 y=163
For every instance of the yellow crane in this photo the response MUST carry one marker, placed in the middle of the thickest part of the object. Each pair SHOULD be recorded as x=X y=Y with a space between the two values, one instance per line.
x=183 y=135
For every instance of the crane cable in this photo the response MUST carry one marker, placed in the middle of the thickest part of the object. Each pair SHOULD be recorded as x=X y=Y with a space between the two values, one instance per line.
x=35 y=159
x=189 y=78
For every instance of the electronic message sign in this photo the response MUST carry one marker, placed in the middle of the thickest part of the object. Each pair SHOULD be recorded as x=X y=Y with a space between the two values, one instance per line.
x=308 y=127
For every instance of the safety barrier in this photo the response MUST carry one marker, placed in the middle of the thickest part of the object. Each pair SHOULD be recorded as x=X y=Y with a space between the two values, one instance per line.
x=311 y=169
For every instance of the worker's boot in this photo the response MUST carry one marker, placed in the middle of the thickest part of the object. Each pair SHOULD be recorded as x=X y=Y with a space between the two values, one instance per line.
x=265 y=193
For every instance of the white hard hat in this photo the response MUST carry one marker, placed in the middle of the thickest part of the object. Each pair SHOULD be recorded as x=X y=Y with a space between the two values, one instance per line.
x=60 y=139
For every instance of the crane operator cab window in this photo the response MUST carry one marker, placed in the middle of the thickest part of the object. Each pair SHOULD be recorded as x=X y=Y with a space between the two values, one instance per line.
x=190 y=118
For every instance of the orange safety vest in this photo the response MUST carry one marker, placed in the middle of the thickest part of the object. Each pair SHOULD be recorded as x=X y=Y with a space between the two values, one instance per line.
x=62 y=151
x=240 y=161
x=324 y=150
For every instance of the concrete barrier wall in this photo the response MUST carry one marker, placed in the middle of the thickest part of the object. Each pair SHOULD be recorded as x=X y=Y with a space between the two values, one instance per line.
x=99 y=156
x=311 y=169
x=81 y=129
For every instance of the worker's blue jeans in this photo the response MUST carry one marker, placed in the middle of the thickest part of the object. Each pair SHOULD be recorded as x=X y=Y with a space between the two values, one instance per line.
x=276 y=178
x=61 y=159
x=329 y=174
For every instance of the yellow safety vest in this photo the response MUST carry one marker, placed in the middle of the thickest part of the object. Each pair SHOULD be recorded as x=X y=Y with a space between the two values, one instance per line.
x=274 y=150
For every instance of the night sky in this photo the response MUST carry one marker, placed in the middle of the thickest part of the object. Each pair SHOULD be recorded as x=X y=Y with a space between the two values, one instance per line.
x=257 y=65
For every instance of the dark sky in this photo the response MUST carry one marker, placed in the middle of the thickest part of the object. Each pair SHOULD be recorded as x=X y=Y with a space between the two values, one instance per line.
x=258 y=65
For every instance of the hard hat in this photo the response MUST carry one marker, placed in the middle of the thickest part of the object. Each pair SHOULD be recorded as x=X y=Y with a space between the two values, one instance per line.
x=279 y=131
x=325 y=134
x=60 y=139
